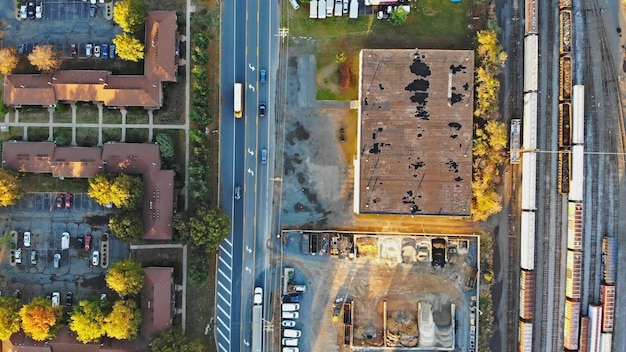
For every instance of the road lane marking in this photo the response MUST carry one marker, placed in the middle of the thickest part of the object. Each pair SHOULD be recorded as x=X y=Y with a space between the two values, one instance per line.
x=224 y=336
x=224 y=287
x=229 y=242
x=223 y=348
x=225 y=263
x=226 y=251
x=225 y=300
x=227 y=326
x=226 y=276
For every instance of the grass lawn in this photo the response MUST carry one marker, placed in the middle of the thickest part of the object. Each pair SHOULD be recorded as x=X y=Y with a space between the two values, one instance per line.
x=14 y=133
x=38 y=134
x=34 y=114
x=86 y=137
x=110 y=116
x=47 y=183
x=200 y=304
x=137 y=116
x=136 y=135
x=86 y=114
x=63 y=113
x=173 y=110
x=63 y=135
x=432 y=24
x=111 y=135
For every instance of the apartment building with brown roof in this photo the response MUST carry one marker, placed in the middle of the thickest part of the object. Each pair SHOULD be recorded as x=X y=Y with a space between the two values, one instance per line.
x=85 y=162
x=161 y=62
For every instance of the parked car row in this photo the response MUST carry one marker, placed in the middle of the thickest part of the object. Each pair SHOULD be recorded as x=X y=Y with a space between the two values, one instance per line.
x=31 y=11
x=65 y=200
x=290 y=335
x=55 y=297
x=104 y=51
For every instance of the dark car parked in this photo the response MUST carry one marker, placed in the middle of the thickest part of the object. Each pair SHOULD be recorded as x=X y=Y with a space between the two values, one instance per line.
x=69 y=299
x=262 y=109
x=60 y=201
x=439 y=252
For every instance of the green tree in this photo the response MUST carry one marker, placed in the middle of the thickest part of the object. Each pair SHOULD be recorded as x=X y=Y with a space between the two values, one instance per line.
x=125 y=277
x=9 y=316
x=8 y=60
x=174 y=341
x=40 y=320
x=207 y=228
x=128 y=47
x=124 y=320
x=45 y=58
x=398 y=16
x=198 y=262
x=11 y=189
x=127 y=226
x=87 y=321
x=130 y=15
x=166 y=145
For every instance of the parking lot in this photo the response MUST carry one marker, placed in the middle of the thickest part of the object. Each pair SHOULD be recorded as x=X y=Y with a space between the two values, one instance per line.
x=38 y=213
x=62 y=22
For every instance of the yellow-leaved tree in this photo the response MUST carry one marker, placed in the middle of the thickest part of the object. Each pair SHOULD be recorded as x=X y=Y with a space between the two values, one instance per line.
x=125 y=277
x=87 y=321
x=8 y=60
x=124 y=320
x=128 y=47
x=11 y=189
x=123 y=191
x=40 y=320
x=9 y=316
x=45 y=58
x=130 y=15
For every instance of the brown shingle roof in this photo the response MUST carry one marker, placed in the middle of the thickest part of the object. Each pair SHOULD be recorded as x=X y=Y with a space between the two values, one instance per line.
x=130 y=158
x=157 y=302
x=101 y=86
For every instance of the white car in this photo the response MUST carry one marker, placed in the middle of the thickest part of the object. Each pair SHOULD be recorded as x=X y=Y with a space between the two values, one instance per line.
x=23 y=12
x=289 y=323
x=258 y=295
x=18 y=256
x=93 y=2
x=57 y=260
x=88 y=48
x=96 y=51
x=27 y=237
x=291 y=315
x=95 y=258
x=39 y=10
x=56 y=299
x=290 y=342
x=291 y=349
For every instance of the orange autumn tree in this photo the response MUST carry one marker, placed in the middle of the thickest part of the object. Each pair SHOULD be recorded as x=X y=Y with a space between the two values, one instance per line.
x=40 y=320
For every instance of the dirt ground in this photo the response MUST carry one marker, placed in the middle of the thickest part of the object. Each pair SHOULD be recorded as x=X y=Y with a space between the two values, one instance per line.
x=369 y=282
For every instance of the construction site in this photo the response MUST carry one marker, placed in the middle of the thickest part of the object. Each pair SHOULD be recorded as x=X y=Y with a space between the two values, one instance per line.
x=408 y=292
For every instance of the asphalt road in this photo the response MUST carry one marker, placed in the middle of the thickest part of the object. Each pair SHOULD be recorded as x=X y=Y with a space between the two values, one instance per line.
x=249 y=43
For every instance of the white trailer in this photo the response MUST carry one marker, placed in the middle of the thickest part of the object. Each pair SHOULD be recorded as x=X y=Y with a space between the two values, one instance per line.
x=354 y=9
x=330 y=5
x=321 y=9
x=338 y=8
x=313 y=9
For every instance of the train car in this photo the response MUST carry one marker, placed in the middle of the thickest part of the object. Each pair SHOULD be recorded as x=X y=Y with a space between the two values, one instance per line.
x=595 y=327
x=607 y=296
x=532 y=23
x=564 y=161
x=606 y=340
x=565 y=78
x=525 y=337
x=529 y=181
x=572 y=325
x=575 y=226
x=576 y=184
x=531 y=63
x=515 y=141
x=565 y=124
x=527 y=241
x=529 y=138
x=583 y=341
x=573 y=275
x=565 y=24
x=609 y=259
x=564 y=4
x=527 y=295
x=578 y=113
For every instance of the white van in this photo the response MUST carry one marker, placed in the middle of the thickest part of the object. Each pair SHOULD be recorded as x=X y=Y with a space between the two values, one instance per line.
x=292 y=333
x=291 y=307
x=294 y=4
x=258 y=295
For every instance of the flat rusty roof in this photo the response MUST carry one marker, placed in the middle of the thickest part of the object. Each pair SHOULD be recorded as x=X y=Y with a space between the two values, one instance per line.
x=415 y=132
